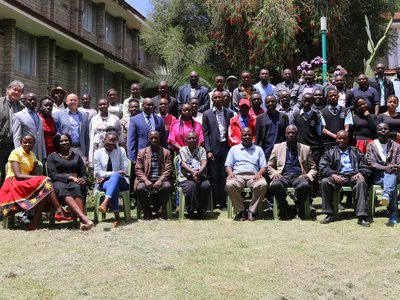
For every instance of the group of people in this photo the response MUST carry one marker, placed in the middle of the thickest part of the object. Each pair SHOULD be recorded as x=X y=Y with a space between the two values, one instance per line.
x=261 y=136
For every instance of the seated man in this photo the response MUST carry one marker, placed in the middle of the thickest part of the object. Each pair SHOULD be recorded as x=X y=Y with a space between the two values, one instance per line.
x=192 y=175
x=291 y=164
x=344 y=165
x=246 y=166
x=153 y=170
x=383 y=156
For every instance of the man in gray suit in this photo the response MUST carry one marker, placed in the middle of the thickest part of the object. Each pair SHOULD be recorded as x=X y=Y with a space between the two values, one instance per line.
x=27 y=121
x=310 y=86
x=76 y=124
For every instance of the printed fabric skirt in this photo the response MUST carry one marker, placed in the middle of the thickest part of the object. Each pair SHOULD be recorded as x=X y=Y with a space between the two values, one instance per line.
x=23 y=195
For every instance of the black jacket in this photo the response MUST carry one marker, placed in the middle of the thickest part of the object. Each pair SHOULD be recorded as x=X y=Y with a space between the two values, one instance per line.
x=387 y=83
x=330 y=162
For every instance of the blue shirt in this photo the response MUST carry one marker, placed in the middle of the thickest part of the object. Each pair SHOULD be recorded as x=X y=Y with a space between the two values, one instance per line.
x=292 y=165
x=75 y=125
x=346 y=166
x=265 y=90
x=242 y=159
x=244 y=122
x=396 y=85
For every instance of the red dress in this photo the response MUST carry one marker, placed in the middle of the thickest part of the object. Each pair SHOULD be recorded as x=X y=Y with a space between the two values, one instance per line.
x=49 y=131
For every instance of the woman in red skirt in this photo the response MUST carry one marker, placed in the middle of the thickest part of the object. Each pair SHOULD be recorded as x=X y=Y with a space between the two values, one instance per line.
x=23 y=189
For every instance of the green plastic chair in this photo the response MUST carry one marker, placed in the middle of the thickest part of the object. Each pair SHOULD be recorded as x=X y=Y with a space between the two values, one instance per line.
x=126 y=197
x=40 y=171
x=336 y=198
x=230 y=206
x=179 y=190
x=291 y=190
x=375 y=190
x=168 y=207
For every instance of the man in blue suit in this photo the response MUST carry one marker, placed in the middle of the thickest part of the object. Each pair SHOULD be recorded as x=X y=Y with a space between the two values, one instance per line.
x=76 y=124
x=188 y=91
x=140 y=126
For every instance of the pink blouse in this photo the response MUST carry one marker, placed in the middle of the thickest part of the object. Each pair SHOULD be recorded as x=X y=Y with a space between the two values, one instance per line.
x=178 y=131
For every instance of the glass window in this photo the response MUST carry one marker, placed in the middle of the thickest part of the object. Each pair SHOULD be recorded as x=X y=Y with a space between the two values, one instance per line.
x=108 y=81
x=88 y=77
x=26 y=56
x=88 y=16
x=110 y=29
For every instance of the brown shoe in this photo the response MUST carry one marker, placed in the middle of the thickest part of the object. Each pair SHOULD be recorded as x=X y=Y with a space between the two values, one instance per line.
x=117 y=223
x=102 y=209
x=250 y=216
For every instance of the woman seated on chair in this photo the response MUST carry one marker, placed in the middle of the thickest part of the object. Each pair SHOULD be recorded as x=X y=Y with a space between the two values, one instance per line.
x=23 y=189
x=192 y=175
x=111 y=173
x=68 y=173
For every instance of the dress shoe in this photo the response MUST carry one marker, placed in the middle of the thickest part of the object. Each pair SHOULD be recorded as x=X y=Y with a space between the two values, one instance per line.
x=328 y=219
x=117 y=223
x=161 y=216
x=241 y=216
x=250 y=216
x=363 y=222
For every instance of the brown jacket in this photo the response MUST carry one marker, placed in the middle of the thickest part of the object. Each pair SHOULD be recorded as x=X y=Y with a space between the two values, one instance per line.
x=277 y=160
x=143 y=165
x=376 y=162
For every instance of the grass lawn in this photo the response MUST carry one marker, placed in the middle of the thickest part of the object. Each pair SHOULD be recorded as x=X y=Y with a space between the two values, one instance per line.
x=212 y=259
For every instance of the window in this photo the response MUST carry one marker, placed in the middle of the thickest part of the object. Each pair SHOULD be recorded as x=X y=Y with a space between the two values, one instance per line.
x=110 y=29
x=88 y=77
x=89 y=16
x=108 y=81
x=26 y=53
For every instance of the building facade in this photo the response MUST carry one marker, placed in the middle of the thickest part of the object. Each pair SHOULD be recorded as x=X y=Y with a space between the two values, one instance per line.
x=84 y=46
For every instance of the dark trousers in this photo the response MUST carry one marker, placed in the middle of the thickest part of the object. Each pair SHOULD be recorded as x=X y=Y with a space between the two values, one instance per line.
x=5 y=151
x=217 y=173
x=302 y=187
x=163 y=193
x=360 y=187
x=196 y=193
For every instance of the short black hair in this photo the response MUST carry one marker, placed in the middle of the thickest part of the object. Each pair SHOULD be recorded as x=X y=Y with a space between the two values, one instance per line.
x=57 y=138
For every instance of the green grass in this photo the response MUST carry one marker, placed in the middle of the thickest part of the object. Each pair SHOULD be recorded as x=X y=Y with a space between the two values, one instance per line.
x=212 y=259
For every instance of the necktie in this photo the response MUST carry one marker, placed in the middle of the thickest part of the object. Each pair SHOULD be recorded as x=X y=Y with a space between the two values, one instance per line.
x=335 y=110
x=149 y=123
x=35 y=119
x=109 y=165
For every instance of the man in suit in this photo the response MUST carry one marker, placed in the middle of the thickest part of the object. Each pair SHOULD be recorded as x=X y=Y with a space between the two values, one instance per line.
x=76 y=124
x=140 y=126
x=27 y=121
x=344 y=165
x=270 y=127
x=9 y=105
x=188 y=91
x=383 y=85
x=164 y=93
x=310 y=86
x=153 y=171
x=215 y=129
x=291 y=164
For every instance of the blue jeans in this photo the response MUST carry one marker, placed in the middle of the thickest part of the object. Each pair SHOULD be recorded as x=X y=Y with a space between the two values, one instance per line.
x=112 y=187
x=389 y=182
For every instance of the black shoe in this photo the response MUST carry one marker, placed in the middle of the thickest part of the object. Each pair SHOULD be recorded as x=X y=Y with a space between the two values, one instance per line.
x=328 y=219
x=341 y=207
x=312 y=209
x=363 y=222
x=241 y=216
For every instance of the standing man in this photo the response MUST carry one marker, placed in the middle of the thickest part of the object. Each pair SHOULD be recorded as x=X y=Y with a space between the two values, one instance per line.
x=246 y=166
x=231 y=82
x=256 y=103
x=396 y=84
x=310 y=86
x=343 y=92
x=264 y=87
x=344 y=165
x=215 y=129
x=58 y=94
x=285 y=106
x=270 y=127
x=244 y=91
x=140 y=126
x=86 y=99
x=76 y=124
x=163 y=92
x=383 y=85
x=287 y=85
x=188 y=91
x=9 y=105
x=27 y=121
x=219 y=81
x=135 y=94
x=367 y=92
x=153 y=171
x=291 y=164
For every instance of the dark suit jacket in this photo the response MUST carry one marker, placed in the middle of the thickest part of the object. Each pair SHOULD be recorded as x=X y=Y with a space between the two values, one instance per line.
x=63 y=125
x=201 y=94
x=172 y=105
x=143 y=165
x=138 y=132
x=261 y=127
x=388 y=87
x=212 y=138
x=316 y=87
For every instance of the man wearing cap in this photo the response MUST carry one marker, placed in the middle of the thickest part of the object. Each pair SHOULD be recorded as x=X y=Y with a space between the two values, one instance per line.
x=231 y=82
x=75 y=123
x=188 y=91
x=58 y=94
x=9 y=105
x=240 y=121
